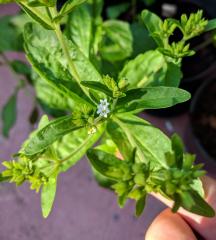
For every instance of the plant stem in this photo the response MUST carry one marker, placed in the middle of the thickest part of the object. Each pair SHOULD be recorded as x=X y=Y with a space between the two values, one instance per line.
x=76 y=151
x=67 y=53
x=64 y=46
x=114 y=103
x=96 y=121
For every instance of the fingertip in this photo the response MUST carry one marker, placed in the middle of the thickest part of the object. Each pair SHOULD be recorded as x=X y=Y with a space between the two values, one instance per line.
x=169 y=226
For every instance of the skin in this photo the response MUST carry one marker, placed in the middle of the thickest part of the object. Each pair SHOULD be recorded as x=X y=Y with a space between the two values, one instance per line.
x=169 y=226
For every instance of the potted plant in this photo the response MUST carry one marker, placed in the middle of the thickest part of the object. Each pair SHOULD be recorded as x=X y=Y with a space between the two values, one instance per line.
x=71 y=50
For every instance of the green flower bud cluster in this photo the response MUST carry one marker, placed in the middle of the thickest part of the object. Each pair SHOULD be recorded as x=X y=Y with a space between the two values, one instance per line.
x=190 y=27
x=177 y=50
x=18 y=171
x=134 y=183
x=176 y=180
x=138 y=179
x=24 y=170
x=167 y=27
x=37 y=180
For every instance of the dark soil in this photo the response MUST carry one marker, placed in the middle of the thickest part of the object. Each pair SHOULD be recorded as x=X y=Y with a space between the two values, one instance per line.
x=204 y=118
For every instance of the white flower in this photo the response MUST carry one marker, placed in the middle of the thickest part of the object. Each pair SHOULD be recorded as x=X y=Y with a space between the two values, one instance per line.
x=103 y=108
x=103 y=102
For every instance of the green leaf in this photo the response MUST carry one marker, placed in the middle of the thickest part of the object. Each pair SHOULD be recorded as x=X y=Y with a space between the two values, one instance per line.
x=102 y=181
x=74 y=145
x=3 y=178
x=97 y=8
x=102 y=162
x=79 y=28
x=97 y=31
x=117 y=41
x=12 y=40
x=47 y=135
x=137 y=100
x=6 y=1
x=122 y=200
x=37 y=42
x=142 y=41
x=145 y=69
x=44 y=3
x=178 y=148
x=129 y=132
x=173 y=75
x=153 y=23
x=50 y=96
x=194 y=203
x=60 y=86
x=198 y=187
x=43 y=121
x=44 y=47
x=151 y=20
x=108 y=146
x=115 y=11
x=37 y=15
x=19 y=21
x=21 y=67
x=9 y=114
x=97 y=86
x=140 y=205
x=211 y=25
x=49 y=63
x=48 y=196
x=68 y=7
x=151 y=69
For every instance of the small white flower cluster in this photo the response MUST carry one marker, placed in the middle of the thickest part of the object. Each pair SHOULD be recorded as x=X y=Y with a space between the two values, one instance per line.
x=103 y=108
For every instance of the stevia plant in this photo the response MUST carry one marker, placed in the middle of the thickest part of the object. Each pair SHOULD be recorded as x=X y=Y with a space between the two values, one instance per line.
x=87 y=67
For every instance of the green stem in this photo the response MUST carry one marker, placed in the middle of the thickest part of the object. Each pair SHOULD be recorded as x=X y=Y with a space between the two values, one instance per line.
x=64 y=46
x=67 y=53
x=76 y=151
x=96 y=122
x=114 y=103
